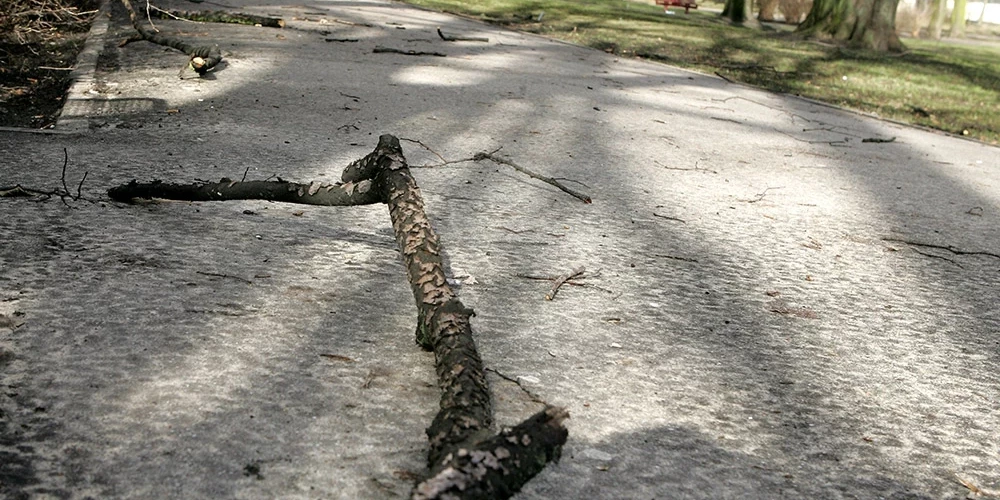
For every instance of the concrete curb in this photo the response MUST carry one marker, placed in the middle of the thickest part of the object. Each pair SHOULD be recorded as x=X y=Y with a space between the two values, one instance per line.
x=79 y=100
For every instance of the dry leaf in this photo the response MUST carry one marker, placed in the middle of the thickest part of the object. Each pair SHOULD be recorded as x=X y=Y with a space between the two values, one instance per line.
x=298 y=213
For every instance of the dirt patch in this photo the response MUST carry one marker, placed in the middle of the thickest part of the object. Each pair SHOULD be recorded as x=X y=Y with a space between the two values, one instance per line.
x=38 y=48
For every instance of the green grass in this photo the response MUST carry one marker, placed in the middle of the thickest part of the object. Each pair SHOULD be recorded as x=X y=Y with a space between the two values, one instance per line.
x=947 y=86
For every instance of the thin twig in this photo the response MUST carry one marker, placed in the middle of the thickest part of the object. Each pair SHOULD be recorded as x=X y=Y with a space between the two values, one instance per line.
x=514 y=230
x=727 y=120
x=529 y=173
x=724 y=77
x=435 y=153
x=389 y=50
x=79 y=187
x=760 y=196
x=686 y=169
x=150 y=18
x=534 y=397
x=562 y=279
x=669 y=218
x=674 y=257
x=948 y=248
x=220 y=275
x=65 y=163
x=926 y=254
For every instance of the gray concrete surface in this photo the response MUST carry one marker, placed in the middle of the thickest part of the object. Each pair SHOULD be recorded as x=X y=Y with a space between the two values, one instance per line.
x=769 y=344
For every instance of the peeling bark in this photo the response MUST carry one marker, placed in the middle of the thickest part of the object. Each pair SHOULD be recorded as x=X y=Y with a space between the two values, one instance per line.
x=465 y=459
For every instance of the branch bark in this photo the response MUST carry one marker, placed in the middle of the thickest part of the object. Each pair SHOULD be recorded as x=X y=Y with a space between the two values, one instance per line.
x=316 y=193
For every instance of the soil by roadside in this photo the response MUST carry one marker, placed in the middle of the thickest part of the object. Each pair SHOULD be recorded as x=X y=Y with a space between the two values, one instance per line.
x=38 y=53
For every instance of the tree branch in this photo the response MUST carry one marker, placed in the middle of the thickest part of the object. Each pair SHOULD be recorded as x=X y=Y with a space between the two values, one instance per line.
x=464 y=460
x=203 y=58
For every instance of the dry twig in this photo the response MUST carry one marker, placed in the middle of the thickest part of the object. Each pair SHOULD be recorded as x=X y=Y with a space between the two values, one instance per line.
x=389 y=50
x=563 y=279
x=548 y=180
x=949 y=248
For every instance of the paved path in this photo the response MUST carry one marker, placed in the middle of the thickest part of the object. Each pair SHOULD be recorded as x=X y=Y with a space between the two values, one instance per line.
x=756 y=326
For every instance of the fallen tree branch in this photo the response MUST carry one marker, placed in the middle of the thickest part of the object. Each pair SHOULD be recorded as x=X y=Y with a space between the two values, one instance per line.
x=315 y=193
x=203 y=58
x=879 y=140
x=464 y=460
x=389 y=50
x=548 y=180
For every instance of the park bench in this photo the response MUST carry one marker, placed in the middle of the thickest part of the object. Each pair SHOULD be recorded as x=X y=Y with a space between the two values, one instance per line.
x=687 y=4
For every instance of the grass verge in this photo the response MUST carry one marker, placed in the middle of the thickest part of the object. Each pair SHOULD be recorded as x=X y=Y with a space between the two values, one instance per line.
x=944 y=85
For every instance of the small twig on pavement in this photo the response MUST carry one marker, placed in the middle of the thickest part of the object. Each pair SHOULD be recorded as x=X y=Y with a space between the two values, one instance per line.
x=220 y=275
x=389 y=50
x=927 y=254
x=948 y=248
x=682 y=221
x=509 y=230
x=674 y=257
x=562 y=279
x=976 y=490
x=79 y=187
x=534 y=397
x=727 y=120
x=63 y=192
x=529 y=173
x=492 y=156
x=695 y=168
x=428 y=148
x=760 y=196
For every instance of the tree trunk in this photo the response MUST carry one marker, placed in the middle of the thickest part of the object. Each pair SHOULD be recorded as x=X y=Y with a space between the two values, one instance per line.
x=767 y=10
x=739 y=12
x=958 y=20
x=938 y=10
x=864 y=24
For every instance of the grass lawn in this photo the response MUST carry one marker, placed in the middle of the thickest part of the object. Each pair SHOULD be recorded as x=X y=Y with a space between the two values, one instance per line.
x=947 y=86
